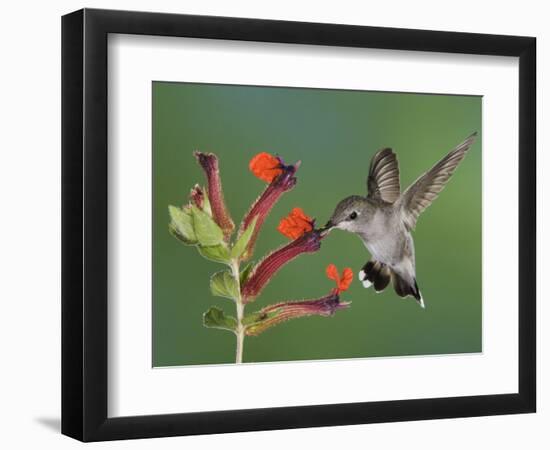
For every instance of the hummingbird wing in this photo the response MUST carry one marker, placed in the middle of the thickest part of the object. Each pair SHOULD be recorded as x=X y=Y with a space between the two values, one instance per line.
x=383 y=180
x=425 y=189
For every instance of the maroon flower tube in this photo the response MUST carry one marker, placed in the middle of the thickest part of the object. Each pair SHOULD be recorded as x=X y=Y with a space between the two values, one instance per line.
x=263 y=204
x=280 y=312
x=264 y=271
x=209 y=163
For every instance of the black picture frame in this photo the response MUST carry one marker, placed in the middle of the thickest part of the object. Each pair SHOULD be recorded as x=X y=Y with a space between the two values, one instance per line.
x=84 y=224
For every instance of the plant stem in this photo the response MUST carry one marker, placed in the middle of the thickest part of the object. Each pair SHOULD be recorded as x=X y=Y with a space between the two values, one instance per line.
x=240 y=313
x=240 y=333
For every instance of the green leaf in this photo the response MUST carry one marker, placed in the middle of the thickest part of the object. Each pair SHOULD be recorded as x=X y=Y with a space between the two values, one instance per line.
x=182 y=225
x=223 y=284
x=245 y=273
x=174 y=232
x=207 y=231
x=241 y=244
x=216 y=318
x=217 y=253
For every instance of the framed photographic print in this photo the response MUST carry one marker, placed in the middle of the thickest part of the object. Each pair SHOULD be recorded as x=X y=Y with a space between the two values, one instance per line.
x=273 y=224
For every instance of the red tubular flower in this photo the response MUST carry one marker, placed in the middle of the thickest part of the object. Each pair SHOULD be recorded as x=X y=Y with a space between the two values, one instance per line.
x=282 y=183
x=342 y=283
x=280 y=312
x=264 y=271
x=209 y=163
x=295 y=224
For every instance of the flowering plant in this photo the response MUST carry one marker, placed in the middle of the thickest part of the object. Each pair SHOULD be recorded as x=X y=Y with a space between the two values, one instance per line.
x=205 y=222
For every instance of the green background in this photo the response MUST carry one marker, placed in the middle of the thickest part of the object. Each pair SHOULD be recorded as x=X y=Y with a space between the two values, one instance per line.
x=334 y=133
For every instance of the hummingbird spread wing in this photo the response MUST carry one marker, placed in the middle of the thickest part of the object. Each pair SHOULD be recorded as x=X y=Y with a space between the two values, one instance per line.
x=425 y=189
x=383 y=181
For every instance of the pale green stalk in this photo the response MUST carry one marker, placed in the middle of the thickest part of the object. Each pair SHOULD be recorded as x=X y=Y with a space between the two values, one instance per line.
x=240 y=331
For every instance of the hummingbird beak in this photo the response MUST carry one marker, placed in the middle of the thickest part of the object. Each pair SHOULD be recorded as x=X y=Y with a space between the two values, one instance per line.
x=325 y=230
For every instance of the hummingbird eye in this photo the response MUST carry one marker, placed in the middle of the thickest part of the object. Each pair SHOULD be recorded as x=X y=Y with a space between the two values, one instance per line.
x=353 y=215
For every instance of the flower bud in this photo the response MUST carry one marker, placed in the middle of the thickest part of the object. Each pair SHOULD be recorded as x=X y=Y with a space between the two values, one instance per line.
x=209 y=163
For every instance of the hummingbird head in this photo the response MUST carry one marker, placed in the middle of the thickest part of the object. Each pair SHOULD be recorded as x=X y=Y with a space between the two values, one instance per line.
x=351 y=214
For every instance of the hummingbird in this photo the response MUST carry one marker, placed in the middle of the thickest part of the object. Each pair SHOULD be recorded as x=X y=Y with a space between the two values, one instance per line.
x=385 y=218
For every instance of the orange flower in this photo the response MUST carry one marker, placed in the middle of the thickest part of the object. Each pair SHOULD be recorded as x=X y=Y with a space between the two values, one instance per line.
x=295 y=224
x=265 y=166
x=343 y=283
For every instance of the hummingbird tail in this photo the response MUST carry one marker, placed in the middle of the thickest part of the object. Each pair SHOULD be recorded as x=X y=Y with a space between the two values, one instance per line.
x=405 y=289
x=379 y=274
